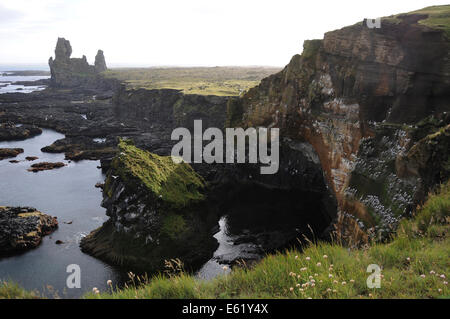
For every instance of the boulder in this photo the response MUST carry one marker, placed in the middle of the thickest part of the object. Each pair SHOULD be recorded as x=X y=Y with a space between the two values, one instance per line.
x=9 y=131
x=9 y=152
x=22 y=228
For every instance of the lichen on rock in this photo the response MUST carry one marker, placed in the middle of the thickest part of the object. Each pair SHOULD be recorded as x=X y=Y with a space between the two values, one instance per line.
x=22 y=228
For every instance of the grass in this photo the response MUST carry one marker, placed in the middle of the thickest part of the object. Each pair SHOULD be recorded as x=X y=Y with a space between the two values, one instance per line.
x=176 y=184
x=222 y=81
x=414 y=264
x=9 y=290
x=438 y=17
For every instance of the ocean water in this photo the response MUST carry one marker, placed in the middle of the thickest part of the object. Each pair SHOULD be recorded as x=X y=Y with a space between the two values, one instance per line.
x=7 y=83
x=69 y=194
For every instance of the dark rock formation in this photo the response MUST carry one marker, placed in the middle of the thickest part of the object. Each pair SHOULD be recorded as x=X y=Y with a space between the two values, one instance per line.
x=9 y=152
x=9 y=131
x=22 y=228
x=44 y=166
x=168 y=107
x=100 y=63
x=82 y=147
x=276 y=210
x=75 y=72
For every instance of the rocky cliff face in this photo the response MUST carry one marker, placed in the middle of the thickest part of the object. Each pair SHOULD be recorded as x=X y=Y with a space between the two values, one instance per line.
x=157 y=112
x=146 y=108
x=356 y=97
x=76 y=72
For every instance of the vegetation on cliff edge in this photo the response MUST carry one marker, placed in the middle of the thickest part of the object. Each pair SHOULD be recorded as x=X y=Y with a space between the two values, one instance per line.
x=438 y=17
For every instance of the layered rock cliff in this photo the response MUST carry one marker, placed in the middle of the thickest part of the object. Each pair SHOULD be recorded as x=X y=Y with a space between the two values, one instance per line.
x=357 y=97
x=157 y=112
x=76 y=72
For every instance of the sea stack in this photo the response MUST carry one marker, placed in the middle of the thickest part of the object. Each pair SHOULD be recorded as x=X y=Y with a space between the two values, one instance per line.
x=74 y=72
x=100 y=63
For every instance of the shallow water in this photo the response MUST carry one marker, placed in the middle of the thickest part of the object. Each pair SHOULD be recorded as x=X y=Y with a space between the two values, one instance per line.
x=67 y=193
x=7 y=83
x=226 y=251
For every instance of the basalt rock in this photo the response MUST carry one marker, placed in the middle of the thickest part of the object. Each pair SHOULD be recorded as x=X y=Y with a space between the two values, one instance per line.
x=157 y=212
x=9 y=152
x=100 y=63
x=9 y=131
x=169 y=108
x=22 y=228
x=276 y=210
x=82 y=147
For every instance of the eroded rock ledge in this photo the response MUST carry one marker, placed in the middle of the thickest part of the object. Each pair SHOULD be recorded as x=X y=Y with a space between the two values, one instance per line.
x=9 y=131
x=22 y=228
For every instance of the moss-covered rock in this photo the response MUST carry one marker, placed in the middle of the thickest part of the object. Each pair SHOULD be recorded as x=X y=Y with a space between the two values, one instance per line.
x=363 y=98
x=157 y=210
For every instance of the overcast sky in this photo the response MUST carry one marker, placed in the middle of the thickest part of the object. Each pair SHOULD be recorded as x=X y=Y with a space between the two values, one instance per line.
x=179 y=32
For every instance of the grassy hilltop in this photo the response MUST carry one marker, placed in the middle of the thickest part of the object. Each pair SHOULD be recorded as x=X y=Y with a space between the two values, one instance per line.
x=222 y=81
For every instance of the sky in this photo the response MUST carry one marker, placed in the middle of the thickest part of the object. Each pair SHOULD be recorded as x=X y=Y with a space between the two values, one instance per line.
x=179 y=32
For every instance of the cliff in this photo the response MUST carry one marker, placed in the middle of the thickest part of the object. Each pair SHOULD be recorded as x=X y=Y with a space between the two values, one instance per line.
x=76 y=72
x=168 y=107
x=357 y=97
x=158 y=112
